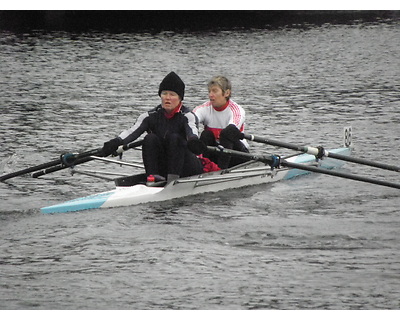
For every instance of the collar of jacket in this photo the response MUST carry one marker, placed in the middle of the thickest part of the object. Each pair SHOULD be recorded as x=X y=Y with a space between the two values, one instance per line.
x=176 y=110
x=223 y=107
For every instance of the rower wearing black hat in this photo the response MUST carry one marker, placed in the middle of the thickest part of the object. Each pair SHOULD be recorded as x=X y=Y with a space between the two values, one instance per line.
x=172 y=82
x=169 y=126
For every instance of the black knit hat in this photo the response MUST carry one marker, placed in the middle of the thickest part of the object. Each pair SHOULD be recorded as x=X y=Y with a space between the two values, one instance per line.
x=172 y=82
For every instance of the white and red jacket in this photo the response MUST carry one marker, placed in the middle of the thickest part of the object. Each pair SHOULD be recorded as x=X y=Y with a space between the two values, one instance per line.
x=215 y=120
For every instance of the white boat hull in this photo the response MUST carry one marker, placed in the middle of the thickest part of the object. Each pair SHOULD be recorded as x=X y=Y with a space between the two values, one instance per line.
x=183 y=187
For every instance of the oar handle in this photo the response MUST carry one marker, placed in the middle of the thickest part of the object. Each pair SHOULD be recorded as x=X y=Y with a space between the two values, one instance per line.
x=271 y=160
x=133 y=144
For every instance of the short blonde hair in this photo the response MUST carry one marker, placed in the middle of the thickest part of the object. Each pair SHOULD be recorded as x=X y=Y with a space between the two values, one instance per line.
x=221 y=82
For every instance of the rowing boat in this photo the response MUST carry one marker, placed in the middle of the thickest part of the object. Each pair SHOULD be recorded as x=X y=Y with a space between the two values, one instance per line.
x=133 y=190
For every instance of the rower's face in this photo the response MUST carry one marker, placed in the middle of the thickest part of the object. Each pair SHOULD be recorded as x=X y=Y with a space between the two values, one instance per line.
x=217 y=97
x=169 y=100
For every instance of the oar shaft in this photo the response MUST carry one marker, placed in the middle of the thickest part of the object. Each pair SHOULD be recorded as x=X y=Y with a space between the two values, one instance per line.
x=46 y=165
x=122 y=163
x=83 y=157
x=276 y=143
x=364 y=161
x=339 y=174
x=272 y=160
x=29 y=170
x=58 y=162
x=59 y=167
x=64 y=161
x=315 y=151
x=241 y=154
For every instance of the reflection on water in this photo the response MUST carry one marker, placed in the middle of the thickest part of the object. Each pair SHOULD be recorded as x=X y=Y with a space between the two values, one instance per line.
x=305 y=244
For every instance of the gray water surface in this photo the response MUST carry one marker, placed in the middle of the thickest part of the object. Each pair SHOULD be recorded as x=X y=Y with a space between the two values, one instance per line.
x=316 y=242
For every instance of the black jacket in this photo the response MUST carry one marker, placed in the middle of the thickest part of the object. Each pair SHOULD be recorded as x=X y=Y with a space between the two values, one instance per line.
x=155 y=121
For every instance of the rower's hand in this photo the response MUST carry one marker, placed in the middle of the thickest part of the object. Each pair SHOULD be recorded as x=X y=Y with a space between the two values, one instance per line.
x=232 y=133
x=111 y=146
x=196 y=146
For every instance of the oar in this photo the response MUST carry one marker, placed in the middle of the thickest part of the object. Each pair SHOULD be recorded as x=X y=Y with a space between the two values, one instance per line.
x=64 y=159
x=81 y=160
x=318 y=152
x=59 y=167
x=275 y=161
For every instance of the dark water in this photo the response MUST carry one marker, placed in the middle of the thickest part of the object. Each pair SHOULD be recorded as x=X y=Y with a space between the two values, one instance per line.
x=316 y=242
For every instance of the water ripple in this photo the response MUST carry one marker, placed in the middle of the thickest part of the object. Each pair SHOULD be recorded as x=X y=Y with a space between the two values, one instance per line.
x=312 y=243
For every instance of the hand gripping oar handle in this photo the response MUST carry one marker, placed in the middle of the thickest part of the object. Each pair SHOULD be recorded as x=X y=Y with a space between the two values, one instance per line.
x=276 y=161
x=131 y=145
x=318 y=152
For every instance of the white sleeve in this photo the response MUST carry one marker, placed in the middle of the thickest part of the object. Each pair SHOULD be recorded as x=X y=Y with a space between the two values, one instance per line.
x=139 y=121
x=200 y=112
x=192 y=122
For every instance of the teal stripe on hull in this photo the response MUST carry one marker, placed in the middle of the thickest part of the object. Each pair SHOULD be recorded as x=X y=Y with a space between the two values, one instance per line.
x=90 y=202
